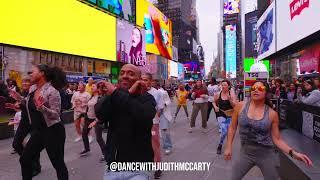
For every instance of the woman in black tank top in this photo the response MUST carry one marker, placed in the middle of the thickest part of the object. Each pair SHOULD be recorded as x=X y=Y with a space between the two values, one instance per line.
x=223 y=106
x=259 y=132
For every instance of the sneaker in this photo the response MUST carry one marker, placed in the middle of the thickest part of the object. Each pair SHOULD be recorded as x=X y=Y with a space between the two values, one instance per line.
x=219 y=149
x=167 y=151
x=91 y=138
x=84 y=153
x=79 y=138
x=157 y=174
x=190 y=130
x=204 y=130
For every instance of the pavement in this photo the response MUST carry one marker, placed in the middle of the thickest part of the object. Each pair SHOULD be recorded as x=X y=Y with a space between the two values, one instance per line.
x=188 y=147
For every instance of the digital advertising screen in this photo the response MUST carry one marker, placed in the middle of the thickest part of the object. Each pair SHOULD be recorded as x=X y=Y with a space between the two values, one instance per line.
x=64 y=26
x=248 y=62
x=191 y=67
x=158 y=29
x=172 y=68
x=251 y=34
x=231 y=51
x=121 y=8
x=180 y=71
x=296 y=20
x=231 y=6
x=130 y=44
x=266 y=40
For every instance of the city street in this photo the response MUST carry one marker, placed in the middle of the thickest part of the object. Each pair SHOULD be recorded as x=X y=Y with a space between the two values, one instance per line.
x=194 y=147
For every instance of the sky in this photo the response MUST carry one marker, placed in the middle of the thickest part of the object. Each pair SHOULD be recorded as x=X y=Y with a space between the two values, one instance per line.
x=209 y=25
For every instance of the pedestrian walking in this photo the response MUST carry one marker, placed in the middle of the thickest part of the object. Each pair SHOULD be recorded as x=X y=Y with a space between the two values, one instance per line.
x=259 y=134
x=200 y=103
x=79 y=102
x=213 y=89
x=90 y=119
x=43 y=106
x=129 y=110
x=147 y=79
x=182 y=96
x=223 y=105
x=165 y=120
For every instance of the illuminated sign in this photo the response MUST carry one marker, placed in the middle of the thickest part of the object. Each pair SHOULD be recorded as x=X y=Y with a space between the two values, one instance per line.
x=65 y=26
x=231 y=6
x=158 y=29
x=121 y=8
x=130 y=44
x=231 y=51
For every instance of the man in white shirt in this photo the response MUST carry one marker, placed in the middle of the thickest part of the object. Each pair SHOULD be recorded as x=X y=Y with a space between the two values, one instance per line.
x=213 y=89
x=147 y=79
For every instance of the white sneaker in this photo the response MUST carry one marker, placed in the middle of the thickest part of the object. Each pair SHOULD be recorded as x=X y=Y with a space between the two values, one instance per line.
x=204 y=130
x=190 y=130
x=91 y=138
x=79 y=138
x=167 y=151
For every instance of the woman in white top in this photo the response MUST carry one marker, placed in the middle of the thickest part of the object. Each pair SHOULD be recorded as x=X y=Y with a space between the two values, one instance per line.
x=90 y=119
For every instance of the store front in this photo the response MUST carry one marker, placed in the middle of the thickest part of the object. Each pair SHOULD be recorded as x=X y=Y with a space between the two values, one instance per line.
x=20 y=61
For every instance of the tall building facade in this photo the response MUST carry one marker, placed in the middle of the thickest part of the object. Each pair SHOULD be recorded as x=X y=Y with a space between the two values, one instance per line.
x=185 y=21
x=232 y=38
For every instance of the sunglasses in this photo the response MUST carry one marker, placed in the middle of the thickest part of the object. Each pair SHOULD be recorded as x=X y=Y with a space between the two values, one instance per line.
x=259 y=88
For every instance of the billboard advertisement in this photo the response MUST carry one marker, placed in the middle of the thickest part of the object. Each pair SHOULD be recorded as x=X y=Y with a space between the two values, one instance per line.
x=231 y=51
x=130 y=44
x=248 y=63
x=63 y=26
x=120 y=8
x=266 y=33
x=231 y=6
x=172 y=68
x=251 y=34
x=296 y=20
x=191 y=67
x=158 y=29
x=180 y=72
x=151 y=65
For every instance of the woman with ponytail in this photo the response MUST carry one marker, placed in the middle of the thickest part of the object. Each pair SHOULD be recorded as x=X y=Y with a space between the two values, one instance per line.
x=259 y=135
x=43 y=105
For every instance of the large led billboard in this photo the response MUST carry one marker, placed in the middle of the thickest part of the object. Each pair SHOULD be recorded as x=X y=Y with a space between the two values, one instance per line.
x=158 y=29
x=65 y=26
x=251 y=34
x=172 y=68
x=296 y=20
x=266 y=27
x=231 y=51
x=121 y=8
x=231 y=6
x=130 y=44
x=249 y=62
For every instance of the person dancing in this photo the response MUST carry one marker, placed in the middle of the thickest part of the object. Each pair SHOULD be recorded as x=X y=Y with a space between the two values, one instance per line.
x=259 y=134
x=43 y=106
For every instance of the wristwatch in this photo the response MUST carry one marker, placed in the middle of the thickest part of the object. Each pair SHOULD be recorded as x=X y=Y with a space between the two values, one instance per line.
x=291 y=153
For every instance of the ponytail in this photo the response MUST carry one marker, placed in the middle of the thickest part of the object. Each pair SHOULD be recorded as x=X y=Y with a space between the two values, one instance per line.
x=54 y=75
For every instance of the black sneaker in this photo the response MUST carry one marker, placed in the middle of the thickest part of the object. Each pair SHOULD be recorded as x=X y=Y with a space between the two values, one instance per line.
x=157 y=174
x=84 y=153
x=219 y=149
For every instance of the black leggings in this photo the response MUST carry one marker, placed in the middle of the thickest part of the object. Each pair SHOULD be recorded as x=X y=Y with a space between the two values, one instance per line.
x=52 y=139
x=22 y=132
x=85 y=133
x=98 y=132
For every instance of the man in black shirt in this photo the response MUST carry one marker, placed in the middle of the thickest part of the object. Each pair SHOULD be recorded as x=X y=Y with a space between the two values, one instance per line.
x=129 y=110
